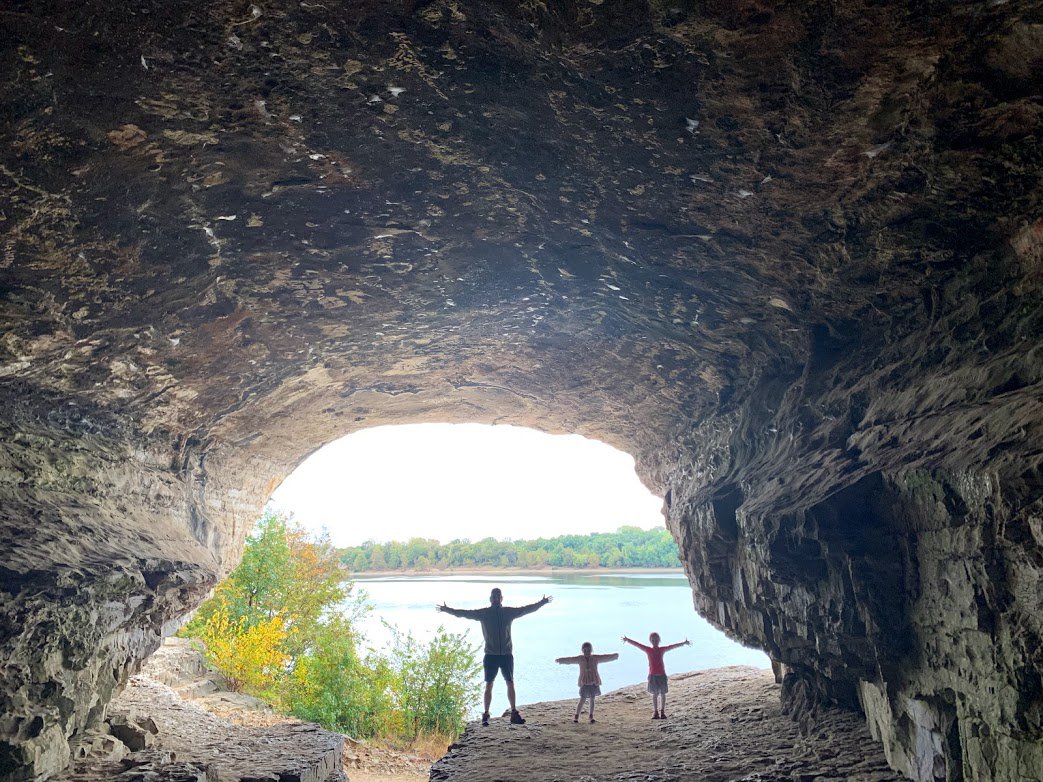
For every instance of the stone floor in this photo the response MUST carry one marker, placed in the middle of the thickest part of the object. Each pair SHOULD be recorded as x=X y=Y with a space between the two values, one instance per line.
x=156 y=736
x=724 y=725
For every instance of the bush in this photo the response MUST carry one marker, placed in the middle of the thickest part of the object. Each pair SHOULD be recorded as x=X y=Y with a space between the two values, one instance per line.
x=281 y=627
x=436 y=681
x=332 y=686
x=249 y=656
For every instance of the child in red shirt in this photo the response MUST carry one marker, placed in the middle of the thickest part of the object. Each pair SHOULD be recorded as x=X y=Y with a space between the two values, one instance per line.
x=657 y=681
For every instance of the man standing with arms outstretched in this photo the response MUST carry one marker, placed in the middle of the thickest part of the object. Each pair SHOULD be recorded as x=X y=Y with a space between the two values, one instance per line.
x=499 y=653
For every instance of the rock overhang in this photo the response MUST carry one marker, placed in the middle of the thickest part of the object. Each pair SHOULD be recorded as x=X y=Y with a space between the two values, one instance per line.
x=787 y=255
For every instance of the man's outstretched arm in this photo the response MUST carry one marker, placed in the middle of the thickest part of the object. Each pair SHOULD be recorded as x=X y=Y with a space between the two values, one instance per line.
x=463 y=613
x=523 y=610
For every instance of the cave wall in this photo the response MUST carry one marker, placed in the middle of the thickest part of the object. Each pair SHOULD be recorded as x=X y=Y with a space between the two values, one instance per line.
x=789 y=255
x=897 y=570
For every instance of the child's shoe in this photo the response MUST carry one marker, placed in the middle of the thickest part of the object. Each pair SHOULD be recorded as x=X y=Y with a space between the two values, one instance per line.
x=655 y=715
x=576 y=718
x=485 y=719
x=516 y=718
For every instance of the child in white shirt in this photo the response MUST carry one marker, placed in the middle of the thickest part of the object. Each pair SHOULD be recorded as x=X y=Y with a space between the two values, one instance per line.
x=589 y=678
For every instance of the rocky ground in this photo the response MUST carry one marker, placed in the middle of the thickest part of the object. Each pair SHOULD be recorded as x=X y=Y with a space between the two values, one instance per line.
x=723 y=725
x=176 y=723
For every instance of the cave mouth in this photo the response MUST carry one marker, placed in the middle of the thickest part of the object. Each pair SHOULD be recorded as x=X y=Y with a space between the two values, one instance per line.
x=465 y=481
x=387 y=492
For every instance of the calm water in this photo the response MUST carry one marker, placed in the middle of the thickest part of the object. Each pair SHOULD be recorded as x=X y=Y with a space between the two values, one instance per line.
x=596 y=607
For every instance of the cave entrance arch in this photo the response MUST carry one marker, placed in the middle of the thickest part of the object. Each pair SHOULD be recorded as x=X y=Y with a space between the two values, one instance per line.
x=375 y=491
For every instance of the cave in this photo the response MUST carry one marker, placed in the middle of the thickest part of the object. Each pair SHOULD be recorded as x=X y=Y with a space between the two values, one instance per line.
x=787 y=254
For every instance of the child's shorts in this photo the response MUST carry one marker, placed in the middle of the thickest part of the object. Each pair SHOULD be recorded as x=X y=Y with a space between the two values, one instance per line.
x=658 y=684
x=589 y=690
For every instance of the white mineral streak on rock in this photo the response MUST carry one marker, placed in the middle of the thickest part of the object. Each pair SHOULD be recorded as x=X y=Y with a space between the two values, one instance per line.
x=255 y=14
x=872 y=152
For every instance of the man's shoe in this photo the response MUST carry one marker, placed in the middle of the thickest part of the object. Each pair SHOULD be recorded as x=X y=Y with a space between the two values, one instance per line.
x=485 y=719
x=516 y=718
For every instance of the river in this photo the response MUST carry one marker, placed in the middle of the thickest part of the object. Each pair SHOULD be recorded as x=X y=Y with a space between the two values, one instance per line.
x=597 y=607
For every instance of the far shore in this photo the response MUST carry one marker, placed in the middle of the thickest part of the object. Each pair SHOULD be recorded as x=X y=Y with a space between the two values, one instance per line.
x=519 y=571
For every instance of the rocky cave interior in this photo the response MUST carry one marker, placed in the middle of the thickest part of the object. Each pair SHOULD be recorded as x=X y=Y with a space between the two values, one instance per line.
x=787 y=254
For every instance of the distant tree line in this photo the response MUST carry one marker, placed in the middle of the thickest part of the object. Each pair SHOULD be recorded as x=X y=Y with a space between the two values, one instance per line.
x=627 y=547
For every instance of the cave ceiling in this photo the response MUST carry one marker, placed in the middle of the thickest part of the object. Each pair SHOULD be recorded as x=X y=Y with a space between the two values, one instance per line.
x=258 y=226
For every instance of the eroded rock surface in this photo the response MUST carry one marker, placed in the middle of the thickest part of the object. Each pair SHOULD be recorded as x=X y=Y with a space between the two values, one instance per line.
x=788 y=254
x=159 y=737
x=723 y=724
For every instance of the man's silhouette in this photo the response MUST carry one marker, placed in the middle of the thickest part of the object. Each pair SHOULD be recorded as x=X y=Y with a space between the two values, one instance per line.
x=499 y=652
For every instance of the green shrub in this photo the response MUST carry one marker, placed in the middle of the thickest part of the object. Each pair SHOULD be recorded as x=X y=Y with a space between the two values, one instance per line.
x=437 y=681
x=282 y=627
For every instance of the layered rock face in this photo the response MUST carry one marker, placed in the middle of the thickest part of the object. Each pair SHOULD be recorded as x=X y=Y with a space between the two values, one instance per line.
x=788 y=255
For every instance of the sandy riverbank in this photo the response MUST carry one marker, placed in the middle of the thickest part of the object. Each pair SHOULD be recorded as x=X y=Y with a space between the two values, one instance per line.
x=724 y=724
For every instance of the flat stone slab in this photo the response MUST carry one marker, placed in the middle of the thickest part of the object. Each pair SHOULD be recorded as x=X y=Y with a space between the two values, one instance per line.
x=723 y=725
x=191 y=743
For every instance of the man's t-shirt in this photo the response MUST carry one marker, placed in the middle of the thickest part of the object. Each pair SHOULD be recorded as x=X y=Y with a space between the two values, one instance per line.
x=496 y=623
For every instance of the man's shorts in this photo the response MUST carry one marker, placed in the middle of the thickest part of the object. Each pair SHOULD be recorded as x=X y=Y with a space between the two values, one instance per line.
x=658 y=684
x=499 y=662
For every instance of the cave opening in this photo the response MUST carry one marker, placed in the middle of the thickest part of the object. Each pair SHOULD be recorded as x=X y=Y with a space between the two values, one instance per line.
x=425 y=511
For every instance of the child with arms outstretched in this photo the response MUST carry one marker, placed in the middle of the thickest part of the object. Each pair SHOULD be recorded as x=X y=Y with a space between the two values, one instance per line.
x=589 y=678
x=657 y=681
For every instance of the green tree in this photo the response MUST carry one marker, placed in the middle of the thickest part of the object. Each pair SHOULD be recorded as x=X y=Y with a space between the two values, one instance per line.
x=283 y=573
x=627 y=547
x=282 y=627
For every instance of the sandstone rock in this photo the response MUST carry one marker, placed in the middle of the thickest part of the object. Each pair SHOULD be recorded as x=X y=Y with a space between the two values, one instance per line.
x=786 y=254
x=171 y=740
x=131 y=734
x=95 y=745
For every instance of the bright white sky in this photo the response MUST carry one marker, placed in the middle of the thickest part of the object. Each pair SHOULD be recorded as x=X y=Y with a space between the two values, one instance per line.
x=448 y=481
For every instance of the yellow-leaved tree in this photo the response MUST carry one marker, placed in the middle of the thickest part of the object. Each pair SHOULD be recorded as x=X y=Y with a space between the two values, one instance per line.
x=282 y=627
x=270 y=610
x=250 y=656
